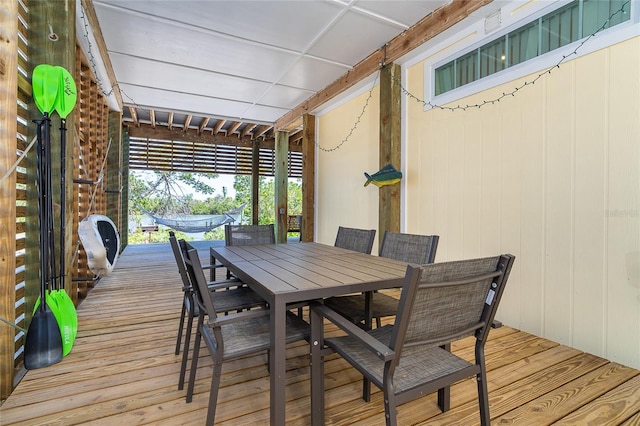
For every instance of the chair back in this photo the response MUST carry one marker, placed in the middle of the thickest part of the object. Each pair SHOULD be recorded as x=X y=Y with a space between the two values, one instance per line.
x=410 y=248
x=177 y=253
x=199 y=283
x=360 y=240
x=443 y=302
x=243 y=235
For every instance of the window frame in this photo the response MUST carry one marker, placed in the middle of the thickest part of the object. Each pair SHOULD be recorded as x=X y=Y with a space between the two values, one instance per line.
x=514 y=16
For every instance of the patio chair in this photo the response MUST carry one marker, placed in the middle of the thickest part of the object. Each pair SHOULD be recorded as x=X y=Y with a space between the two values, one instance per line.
x=294 y=225
x=360 y=240
x=440 y=303
x=410 y=248
x=242 y=235
x=231 y=336
x=238 y=297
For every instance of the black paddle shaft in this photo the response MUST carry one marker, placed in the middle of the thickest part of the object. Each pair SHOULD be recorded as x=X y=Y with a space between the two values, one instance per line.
x=63 y=187
x=40 y=180
x=50 y=233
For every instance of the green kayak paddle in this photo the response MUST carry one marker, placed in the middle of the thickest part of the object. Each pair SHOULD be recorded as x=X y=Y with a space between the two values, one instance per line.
x=43 y=341
x=64 y=104
x=44 y=85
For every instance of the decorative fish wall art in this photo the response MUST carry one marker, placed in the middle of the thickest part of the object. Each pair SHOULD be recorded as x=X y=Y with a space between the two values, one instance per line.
x=388 y=175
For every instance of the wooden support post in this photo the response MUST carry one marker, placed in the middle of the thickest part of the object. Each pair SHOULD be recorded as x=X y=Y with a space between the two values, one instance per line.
x=114 y=168
x=8 y=143
x=52 y=38
x=281 y=185
x=308 y=176
x=124 y=178
x=255 y=181
x=390 y=149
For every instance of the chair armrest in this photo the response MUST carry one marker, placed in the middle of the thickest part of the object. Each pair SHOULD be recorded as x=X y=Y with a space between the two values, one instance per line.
x=221 y=285
x=374 y=345
x=238 y=316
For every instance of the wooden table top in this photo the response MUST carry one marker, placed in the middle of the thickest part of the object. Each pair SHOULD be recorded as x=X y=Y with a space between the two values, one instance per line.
x=304 y=271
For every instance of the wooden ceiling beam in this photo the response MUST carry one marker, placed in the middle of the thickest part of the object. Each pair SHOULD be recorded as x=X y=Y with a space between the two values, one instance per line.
x=427 y=28
x=234 y=126
x=152 y=117
x=134 y=116
x=163 y=133
x=187 y=121
x=218 y=126
x=261 y=130
x=296 y=136
x=247 y=130
x=203 y=125
x=170 y=121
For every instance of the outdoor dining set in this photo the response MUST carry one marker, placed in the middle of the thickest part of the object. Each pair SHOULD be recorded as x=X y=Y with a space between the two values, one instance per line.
x=275 y=294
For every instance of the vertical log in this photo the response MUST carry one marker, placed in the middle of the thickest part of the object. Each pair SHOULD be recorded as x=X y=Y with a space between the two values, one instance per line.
x=390 y=149
x=308 y=176
x=8 y=142
x=124 y=178
x=281 y=185
x=255 y=181
x=52 y=38
x=114 y=167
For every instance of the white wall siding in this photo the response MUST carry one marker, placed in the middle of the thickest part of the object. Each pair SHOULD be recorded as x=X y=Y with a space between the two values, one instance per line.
x=551 y=175
x=342 y=199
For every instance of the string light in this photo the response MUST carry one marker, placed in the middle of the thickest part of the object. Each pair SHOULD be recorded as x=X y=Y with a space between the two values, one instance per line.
x=355 y=125
x=92 y=62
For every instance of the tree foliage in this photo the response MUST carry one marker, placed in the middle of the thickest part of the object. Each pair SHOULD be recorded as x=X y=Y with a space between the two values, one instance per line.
x=171 y=194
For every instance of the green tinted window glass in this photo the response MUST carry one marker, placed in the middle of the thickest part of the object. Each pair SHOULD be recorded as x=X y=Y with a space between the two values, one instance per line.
x=523 y=44
x=445 y=78
x=572 y=22
x=596 y=13
x=493 y=57
x=560 y=28
x=467 y=68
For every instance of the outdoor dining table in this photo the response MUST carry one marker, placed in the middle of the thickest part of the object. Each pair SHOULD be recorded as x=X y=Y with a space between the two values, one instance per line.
x=291 y=273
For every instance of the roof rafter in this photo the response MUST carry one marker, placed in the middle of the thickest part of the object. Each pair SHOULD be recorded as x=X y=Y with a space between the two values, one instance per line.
x=203 y=125
x=234 y=126
x=218 y=126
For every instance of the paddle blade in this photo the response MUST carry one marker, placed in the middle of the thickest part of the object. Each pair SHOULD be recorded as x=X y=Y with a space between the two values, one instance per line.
x=64 y=312
x=44 y=83
x=43 y=344
x=72 y=314
x=68 y=320
x=67 y=93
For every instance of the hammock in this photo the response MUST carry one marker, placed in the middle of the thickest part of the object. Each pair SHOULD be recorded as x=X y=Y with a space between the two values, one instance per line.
x=198 y=225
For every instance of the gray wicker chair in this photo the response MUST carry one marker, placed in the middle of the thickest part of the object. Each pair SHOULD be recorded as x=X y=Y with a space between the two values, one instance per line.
x=231 y=336
x=440 y=303
x=237 y=298
x=242 y=235
x=410 y=248
x=355 y=239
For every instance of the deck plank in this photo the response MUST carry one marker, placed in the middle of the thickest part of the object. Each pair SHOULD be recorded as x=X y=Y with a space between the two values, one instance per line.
x=123 y=370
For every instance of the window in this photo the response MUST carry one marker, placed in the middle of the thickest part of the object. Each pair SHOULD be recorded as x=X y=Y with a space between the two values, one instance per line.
x=572 y=22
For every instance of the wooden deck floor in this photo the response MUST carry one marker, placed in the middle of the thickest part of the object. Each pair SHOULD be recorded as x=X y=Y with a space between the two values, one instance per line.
x=123 y=371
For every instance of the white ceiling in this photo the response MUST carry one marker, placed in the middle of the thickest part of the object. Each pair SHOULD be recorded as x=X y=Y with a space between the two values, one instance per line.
x=249 y=61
